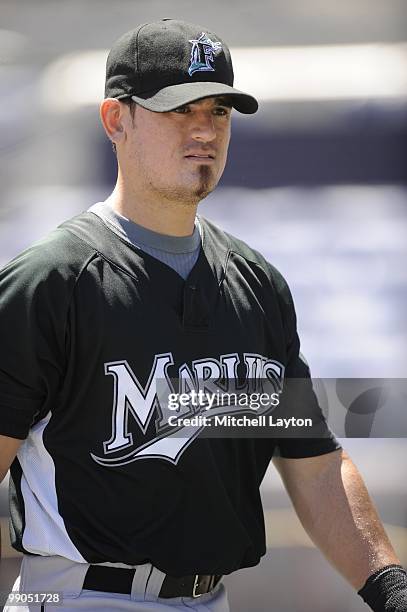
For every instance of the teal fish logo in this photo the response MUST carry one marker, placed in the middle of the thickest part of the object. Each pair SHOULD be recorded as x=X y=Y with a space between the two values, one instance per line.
x=203 y=54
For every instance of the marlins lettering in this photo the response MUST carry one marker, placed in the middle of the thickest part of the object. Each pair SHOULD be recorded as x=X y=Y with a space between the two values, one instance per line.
x=132 y=400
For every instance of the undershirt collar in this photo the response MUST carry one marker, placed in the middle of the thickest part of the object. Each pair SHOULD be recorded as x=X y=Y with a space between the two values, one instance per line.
x=137 y=234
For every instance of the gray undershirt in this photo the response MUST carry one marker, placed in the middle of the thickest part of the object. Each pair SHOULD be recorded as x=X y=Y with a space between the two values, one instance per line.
x=178 y=252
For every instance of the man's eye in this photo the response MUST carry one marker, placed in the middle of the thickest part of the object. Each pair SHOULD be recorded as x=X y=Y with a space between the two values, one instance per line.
x=182 y=109
x=222 y=110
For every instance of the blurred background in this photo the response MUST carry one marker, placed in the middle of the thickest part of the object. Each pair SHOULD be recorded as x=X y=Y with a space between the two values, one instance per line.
x=316 y=180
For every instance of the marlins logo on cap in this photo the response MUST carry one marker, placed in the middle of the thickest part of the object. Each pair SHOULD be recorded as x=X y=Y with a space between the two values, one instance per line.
x=203 y=48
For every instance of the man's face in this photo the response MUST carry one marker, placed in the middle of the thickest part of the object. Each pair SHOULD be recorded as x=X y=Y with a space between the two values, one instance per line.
x=179 y=154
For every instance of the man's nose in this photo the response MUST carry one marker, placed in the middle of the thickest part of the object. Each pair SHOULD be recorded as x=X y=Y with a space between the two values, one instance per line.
x=203 y=127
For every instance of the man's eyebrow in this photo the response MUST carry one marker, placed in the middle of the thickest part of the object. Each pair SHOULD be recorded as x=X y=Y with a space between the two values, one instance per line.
x=220 y=101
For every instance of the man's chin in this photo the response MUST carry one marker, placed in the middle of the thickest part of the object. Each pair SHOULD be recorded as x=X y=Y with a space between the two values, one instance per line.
x=206 y=182
x=204 y=190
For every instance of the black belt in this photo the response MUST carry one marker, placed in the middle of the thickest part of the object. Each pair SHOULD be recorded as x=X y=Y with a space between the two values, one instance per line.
x=119 y=580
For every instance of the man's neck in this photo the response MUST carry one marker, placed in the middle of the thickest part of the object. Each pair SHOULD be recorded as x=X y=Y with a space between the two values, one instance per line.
x=163 y=216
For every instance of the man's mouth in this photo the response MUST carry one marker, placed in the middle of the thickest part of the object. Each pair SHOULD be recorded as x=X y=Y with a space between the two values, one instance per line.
x=201 y=156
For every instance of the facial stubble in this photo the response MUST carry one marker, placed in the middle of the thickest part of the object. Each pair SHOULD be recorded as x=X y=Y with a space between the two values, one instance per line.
x=206 y=184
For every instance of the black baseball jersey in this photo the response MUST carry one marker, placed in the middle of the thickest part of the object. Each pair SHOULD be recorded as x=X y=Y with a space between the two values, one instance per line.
x=89 y=326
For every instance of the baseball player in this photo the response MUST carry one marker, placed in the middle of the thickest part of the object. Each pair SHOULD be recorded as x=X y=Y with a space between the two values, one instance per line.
x=137 y=300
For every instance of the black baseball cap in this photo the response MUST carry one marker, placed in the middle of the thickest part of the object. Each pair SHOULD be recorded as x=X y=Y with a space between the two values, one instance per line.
x=169 y=63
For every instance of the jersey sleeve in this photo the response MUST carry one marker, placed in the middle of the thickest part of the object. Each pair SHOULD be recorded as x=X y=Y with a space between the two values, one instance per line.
x=299 y=399
x=33 y=303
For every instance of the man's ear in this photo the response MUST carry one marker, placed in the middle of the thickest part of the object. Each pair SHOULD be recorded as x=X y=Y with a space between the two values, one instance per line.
x=111 y=115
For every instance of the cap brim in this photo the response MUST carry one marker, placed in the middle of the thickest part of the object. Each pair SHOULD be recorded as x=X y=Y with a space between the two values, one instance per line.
x=170 y=98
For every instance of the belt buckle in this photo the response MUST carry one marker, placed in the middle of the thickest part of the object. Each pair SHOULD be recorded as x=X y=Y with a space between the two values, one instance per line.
x=196 y=585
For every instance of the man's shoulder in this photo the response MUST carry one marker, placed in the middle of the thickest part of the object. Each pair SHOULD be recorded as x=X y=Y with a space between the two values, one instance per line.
x=60 y=254
x=242 y=250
